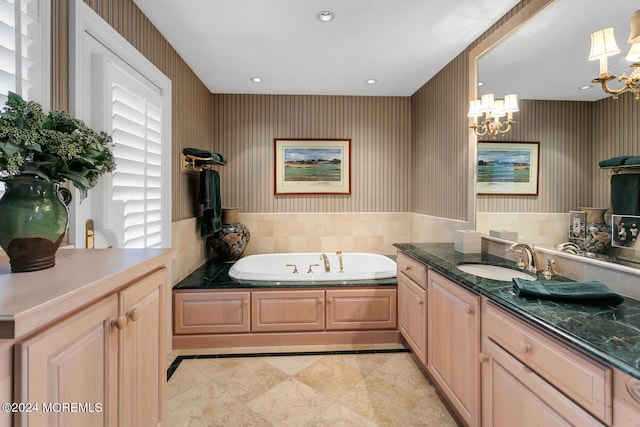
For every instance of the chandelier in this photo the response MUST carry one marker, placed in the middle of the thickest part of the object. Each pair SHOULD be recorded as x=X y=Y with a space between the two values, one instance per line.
x=493 y=110
x=603 y=45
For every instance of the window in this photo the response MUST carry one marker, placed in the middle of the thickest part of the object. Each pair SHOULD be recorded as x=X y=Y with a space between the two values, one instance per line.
x=116 y=89
x=24 y=51
x=137 y=138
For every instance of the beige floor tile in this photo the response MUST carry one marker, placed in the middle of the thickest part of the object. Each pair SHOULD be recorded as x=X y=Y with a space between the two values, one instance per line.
x=249 y=378
x=290 y=403
x=373 y=389
x=291 y=365
x=337 y=415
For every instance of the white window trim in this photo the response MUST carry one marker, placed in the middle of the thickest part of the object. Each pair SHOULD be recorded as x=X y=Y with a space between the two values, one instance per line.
x=83 y=20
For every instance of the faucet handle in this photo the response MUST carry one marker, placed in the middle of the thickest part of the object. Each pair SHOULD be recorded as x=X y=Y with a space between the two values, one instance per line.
x=311 y=267
x=295 y=267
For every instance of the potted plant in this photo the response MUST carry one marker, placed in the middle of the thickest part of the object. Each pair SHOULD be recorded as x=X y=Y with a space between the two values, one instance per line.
x=37 y=152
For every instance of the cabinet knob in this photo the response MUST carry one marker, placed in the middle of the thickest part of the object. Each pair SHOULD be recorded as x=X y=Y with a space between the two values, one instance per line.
x=134 y=314
x=420 y=302
x=633 y=387
x=407 y=268
x=120 y=322
x=483 y=358
x=525 y=347
x=329 y=300
x=469 y=310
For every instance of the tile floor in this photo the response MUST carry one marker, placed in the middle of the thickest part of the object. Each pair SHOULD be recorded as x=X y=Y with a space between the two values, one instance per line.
x=317 y=388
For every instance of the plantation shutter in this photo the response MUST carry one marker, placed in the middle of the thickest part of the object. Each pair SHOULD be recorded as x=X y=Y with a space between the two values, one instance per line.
x=137 y=136
x=18 y=48
x=21 y=51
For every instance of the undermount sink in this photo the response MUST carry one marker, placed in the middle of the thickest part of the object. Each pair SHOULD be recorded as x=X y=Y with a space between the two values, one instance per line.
x=494 y=272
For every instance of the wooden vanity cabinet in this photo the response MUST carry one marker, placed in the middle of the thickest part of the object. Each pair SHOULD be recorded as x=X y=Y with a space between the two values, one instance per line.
x=412 y=312
x=111 y=354
x=530 y=376
x=453 y=344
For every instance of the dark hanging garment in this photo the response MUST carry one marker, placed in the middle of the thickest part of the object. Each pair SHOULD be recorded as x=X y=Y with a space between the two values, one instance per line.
x=209 y=197
x=625 y=194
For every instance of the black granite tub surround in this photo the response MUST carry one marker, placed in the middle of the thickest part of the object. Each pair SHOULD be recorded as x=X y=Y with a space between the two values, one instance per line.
x=215 y=275
x=611 y=334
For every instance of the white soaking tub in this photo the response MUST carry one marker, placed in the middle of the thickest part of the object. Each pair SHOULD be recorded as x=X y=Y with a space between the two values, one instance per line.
x=280 y=267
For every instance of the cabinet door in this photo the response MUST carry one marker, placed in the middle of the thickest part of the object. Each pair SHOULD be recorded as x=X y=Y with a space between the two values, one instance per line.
x=143 y=375
x=273 y=311
x=453 y=344
x=351 y=309
x=412 y=316
x=75 y=361
x=211 y=312
x=513 y=395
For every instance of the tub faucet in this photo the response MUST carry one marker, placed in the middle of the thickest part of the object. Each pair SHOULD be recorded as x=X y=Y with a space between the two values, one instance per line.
x=339 y=253
x=327 y=266
x=529 y=253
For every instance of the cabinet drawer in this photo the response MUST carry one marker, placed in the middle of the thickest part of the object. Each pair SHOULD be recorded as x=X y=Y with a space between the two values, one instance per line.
x=585 y=381
x=361 y=309
x=412 y=268
x=280 y=311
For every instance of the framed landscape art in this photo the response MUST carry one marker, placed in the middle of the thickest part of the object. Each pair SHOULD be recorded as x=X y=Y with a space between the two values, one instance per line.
x=312 y=166
x=508 y=168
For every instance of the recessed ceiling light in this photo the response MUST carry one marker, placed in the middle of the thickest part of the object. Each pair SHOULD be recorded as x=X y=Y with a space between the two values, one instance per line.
x=371 y=81
x=480 y=83
x=256 y=79
x=585 y=87
x=326 y=16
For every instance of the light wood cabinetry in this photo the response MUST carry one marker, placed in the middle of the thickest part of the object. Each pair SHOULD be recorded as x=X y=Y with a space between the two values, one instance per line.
x=222 y=312
x=75 y=361
x=360 y=309
x=88 y=345
x=523 y=368
x=279 y=311
x=412 y=315
x=626 y=400
x=453 y=344
x=291 y=316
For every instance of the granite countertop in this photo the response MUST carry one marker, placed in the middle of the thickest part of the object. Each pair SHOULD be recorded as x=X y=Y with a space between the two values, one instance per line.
x=215 y=275
x=610 y=334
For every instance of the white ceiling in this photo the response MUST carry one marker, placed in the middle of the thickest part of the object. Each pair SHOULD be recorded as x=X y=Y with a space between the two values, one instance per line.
x=401 y=43
x=547 y=57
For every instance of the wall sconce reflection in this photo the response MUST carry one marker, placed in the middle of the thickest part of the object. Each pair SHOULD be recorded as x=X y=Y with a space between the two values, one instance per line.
x=493 y=110
x=603 y=45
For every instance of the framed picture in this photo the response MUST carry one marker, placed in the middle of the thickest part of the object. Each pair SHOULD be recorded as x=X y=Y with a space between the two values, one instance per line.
x=577 y=225
x=312 y=166
x=508 y=168
x=625 y=231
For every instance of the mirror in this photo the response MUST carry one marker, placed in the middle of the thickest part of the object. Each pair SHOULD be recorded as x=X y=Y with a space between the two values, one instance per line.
x=542 y=57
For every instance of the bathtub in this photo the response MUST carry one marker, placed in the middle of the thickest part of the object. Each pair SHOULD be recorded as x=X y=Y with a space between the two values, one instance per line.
x=274 y=268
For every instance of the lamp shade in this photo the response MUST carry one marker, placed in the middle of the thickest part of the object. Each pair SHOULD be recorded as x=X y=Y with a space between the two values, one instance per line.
x=474 y=108
x=498 y=109
x=603 y=44
x=511 y=103
x=634 y=53
x=634 y=34
x=486 y=103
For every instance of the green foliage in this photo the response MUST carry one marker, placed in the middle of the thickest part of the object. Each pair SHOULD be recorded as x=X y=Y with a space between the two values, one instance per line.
x=53 y=146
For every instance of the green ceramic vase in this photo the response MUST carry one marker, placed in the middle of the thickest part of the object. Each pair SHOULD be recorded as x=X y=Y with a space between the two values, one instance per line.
x=33 y=221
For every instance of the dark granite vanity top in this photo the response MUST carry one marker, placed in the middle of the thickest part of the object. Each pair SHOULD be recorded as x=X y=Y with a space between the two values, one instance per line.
x=610 y=334
x=215 y=275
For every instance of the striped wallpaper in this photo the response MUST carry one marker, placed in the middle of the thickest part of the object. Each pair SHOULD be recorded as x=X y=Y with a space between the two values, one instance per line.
x=408 y=154
x=245 y=126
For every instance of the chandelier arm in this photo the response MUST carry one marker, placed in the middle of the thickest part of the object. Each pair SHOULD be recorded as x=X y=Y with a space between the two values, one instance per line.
x=605 y=86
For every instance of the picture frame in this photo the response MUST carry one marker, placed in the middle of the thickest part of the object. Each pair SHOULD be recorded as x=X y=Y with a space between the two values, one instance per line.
x=508 y=168
x=577 y=225
x=625 y=231
x=312 y=166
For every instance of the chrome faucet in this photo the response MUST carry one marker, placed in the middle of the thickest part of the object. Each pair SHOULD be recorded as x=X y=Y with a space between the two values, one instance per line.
x=530 y=253
x=327 y=266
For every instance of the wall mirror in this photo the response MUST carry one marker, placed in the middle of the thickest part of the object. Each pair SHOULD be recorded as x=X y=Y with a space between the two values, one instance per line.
x=541 y=54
